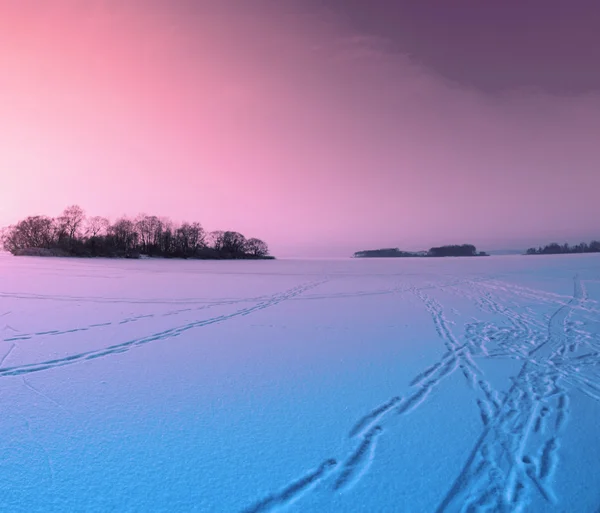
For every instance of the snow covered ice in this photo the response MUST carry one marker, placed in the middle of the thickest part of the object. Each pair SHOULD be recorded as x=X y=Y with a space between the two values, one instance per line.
x=300 y=385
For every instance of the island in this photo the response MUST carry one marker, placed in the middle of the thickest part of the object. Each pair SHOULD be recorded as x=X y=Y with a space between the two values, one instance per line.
x=463 y=250
x=73 y=234
x=563 y=249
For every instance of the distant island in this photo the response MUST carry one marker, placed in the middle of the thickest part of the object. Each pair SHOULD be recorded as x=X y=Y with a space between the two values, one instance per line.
x=74 y=234
x=562 y=249
x=463 y=250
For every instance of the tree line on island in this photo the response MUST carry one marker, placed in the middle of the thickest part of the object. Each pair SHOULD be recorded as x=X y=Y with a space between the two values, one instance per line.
x=561 y=249
x=468 y=250
x=75 y=234
x=463 y=250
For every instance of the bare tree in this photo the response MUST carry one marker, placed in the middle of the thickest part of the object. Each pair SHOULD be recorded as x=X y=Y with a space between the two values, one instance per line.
x=70 y=222
x=124 y=233
x=155 y=226
x=166 y=238
x=215 y=239
x=144 y=230
x=233 y=243
x=32 y=232
x=97 y=226
x=190 y=238
x=256 y=248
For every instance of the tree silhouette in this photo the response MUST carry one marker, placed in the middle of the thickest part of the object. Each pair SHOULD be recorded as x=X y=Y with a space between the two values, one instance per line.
x=73 y=234
x=557 y=249
x=70 y=222
x=97 y=226
x=256 y=247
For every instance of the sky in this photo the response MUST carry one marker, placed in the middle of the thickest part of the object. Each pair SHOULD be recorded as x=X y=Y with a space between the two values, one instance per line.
x=321 y=126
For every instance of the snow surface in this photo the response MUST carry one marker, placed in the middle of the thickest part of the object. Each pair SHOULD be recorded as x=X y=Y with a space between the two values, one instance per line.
x=335 y=385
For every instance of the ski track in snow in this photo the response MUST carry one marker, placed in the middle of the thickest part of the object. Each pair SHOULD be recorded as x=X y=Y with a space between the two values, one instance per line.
x=294 y=490
x=516 y=456
x=518 y=451
x=163 y=335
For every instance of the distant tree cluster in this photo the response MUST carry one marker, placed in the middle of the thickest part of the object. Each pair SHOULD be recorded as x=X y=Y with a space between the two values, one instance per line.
x=560 y=249
x=442 y=251
x=383 y=253
x=75 y=234
x=455 y=250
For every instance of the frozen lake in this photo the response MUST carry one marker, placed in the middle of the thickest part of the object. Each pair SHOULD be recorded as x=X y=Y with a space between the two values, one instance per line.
x=395 y=385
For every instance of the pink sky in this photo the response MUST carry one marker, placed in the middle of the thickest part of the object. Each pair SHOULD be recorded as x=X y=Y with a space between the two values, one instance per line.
x=283 y=122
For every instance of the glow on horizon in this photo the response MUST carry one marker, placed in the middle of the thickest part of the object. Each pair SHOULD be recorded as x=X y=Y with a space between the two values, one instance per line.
x=281 y=123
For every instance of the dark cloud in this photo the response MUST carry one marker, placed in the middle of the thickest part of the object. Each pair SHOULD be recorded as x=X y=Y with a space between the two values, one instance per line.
x=550 y=45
